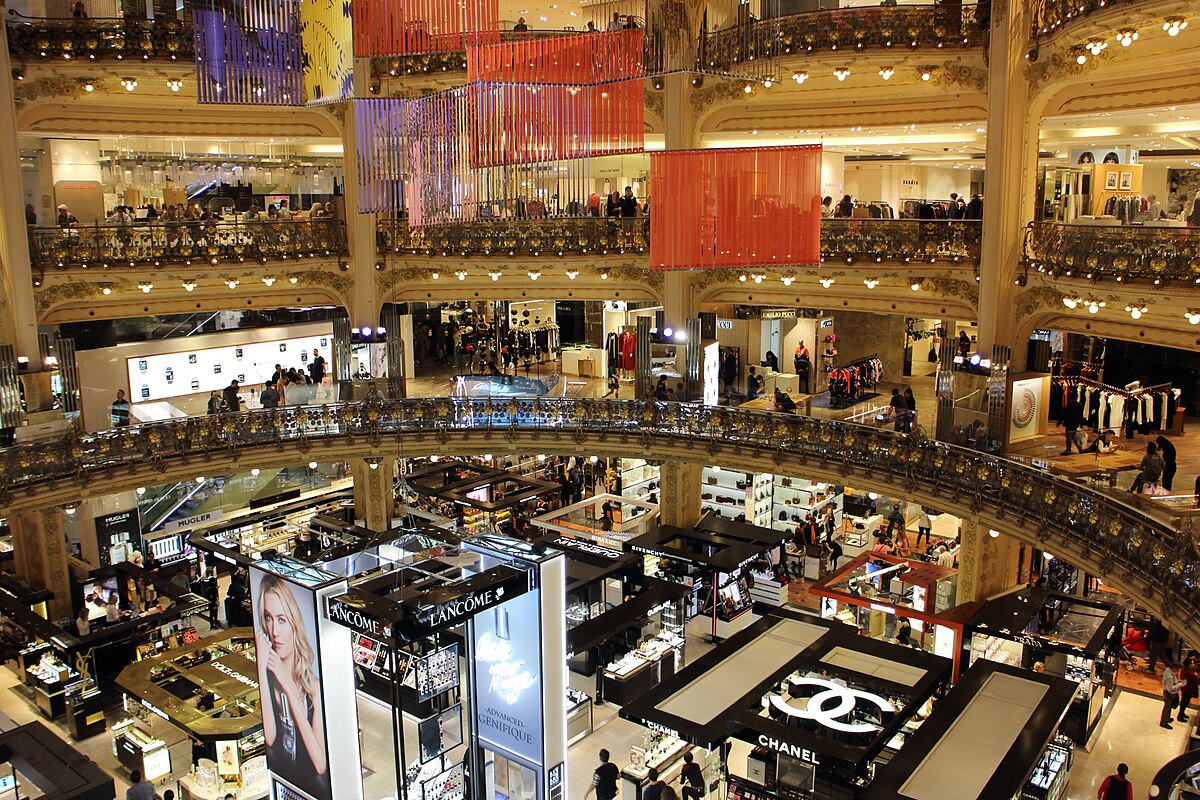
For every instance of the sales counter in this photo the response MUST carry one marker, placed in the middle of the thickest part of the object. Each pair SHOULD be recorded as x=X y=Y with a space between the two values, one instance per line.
x=208 y=689
x=636 y=672
x=580 y=720
x=625 y=519
x=206 y=783
x=1072 y=637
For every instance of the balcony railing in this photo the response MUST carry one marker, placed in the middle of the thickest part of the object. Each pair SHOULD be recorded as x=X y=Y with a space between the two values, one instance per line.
x=1150 y=559
x=900 y=27
x=1123 y=253
x=842 y=240
x=1050 y=15
x=31 y=39
x=186 y=242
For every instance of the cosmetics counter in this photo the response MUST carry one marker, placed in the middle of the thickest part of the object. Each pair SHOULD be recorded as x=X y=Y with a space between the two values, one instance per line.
x=664 y=752
x=208 y=689
x=608 y=519
x=654 y=660
x=481 y=499
x=580 y=716
x=1072 y=637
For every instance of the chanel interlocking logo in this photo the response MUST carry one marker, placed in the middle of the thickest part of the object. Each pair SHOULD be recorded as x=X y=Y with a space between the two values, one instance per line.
x=831 y=704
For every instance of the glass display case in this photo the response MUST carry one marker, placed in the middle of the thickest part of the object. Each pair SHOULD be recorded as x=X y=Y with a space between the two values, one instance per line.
x=634 y=673
x=579 y=715
x=1052 y=774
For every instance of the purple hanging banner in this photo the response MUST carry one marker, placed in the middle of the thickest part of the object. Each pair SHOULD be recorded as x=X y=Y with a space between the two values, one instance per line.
x=248 y=52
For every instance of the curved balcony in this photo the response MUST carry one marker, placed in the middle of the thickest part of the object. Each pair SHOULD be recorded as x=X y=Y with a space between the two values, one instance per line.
x=117 y=39
x=184 y=243
x=1136 y=553
x=897 y=27
x=845 y=240
x=1127 y=254
x=1051 y=15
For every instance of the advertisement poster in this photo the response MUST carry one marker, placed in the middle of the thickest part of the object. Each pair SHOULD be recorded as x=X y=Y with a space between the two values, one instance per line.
x=1028 y=411
x=508 y=677
x=289 y=676
x=118 y=535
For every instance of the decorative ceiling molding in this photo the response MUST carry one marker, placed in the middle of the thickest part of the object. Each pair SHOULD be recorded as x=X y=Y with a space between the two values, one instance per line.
x=99 y=119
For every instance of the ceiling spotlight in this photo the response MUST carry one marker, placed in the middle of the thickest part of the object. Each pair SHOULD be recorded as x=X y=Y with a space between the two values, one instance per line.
x=604 y=275
x=534 y=274
x=572 y=274
x=758 y=277
x=748 y=88
x=1127 y=37
x=841 y=73
x=915 y=286
x=141 y=490
x=1094 y=306
x=146 y=286
x=461 y=274
x=994 y=534
x=1136 y=311
x=768 y=83
x=826 y=282
x=1072 y=302
x=926 y=75
x=269 y=281
x=871 y=283
x=494 y=275
x=1081 y=58
x=787 y=279
x=293 y=280
x=743 y=277
x=435 y=275
x=800 y=77
x=254 y=472
x=189 y=286
x=1174 y=25
x=1193 y=316
x=129 y=83
x=312 y=465
x=70 y=509
x=886 y=73
x=174 y=84
x=89 y=86
x=232 y=283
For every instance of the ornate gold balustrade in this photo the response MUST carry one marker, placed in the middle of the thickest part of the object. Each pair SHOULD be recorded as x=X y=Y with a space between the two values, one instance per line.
x=1155 y=564
x=1121 y=253
x=842 y=240
x=185 y=243
x=897 y=27
x=109 y=39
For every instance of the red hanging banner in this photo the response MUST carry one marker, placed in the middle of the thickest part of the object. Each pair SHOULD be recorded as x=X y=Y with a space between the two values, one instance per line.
x=582 y=59
x=743 y=207
x=401 y=27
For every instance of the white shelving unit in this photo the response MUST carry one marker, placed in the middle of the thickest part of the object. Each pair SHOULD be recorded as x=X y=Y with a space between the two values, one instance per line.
x=725 y=496
x=801 y=499
x=636 y=477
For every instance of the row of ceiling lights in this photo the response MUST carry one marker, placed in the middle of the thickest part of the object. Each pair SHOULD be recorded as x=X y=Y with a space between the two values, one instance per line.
x=128 y=84
x=1135 y=310
x=190 y=285
x=841 y=73
x=1125 y=36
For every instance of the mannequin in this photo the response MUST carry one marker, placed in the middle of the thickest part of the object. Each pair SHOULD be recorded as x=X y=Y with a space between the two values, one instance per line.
x=802 y=364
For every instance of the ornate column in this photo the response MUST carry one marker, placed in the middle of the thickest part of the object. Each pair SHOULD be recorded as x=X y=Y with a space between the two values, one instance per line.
x=679 y=494
x=679 y=118
x=987 y=565
x=40 y=555
x=18 y=312
x=1012 y=136
x=365 y=302
x=374 y=497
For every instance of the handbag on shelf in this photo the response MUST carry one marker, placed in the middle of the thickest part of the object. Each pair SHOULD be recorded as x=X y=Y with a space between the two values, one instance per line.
x=712 y=480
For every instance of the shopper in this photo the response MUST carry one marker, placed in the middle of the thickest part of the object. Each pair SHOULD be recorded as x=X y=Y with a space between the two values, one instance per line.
x=754 y=384
x=1072 y=420
x=82 y=624
x=230 y=396
x=269 y=396
x=1170 y=692
x=138 y=788
x=112 y=610
x=1167 y=450
x=691 y=778
x=614 y=387
x=899 y=408
x=1104 y=443
x=120 y=410
x=772 y=361
x=1189 y=687
x=1152 y=469
x=604 y=779
x=904 y=631
x=833 y=551
x=911 y=416
x=215 y=403
x=1116 y=787
x=654 y=785
x=316 y=369
x=845 y=208
x=1158 y=636
x=826 y=207
x=924 y=528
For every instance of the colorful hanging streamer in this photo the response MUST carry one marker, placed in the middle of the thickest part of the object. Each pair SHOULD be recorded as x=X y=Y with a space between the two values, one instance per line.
x=583 y=59
x=382 y=166
x=742 y=207
x=326 y=32
x=248 y=53
x=403 y=27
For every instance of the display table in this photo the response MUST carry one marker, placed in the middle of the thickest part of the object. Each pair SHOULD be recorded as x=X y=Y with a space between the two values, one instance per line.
x=137 y=749
x=664 y=756
x=636 y=673
x=1088 y=465
x=767 y=402
x=587 y=362
x=190 y=788
x=579 y=715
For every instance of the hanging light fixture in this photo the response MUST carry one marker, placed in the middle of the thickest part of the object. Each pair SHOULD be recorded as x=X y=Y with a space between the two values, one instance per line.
x=1127 y=37
x=146 y=286
x=841 y=73
x=1096 y=46
x=129 y=83
x=871 y=283
x=886 y=73
x=800 y=77
x=826 y=282
x=1174 y=25
x=174 y=84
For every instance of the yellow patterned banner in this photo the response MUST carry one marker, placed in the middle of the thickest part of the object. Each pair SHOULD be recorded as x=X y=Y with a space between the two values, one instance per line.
x=326 y=32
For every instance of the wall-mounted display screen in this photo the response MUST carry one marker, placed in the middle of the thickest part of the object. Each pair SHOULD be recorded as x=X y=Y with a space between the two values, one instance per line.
x=440 y=733
x=157 y=377
x=437 y=673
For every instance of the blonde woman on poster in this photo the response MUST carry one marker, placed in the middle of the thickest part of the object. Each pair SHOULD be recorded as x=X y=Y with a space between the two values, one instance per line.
x=293 y=723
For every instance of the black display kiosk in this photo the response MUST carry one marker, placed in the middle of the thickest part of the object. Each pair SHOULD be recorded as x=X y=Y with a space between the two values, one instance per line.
x=1078 y=638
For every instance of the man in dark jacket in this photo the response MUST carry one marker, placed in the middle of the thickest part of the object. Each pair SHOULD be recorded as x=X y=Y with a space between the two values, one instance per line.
x=1073 y=420
x=230 y=395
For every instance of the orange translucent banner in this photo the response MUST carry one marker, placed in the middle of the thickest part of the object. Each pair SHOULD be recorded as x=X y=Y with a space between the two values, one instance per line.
x=581 y=59
x=400 y=27
x=742 y=207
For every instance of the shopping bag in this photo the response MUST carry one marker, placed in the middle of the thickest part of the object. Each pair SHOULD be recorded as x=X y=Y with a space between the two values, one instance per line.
x=1154 y=490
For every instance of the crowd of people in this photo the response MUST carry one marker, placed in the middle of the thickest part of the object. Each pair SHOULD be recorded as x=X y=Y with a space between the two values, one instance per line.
x=189 y=212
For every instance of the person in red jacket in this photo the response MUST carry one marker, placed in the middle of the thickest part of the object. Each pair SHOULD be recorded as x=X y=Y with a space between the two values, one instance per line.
x=1116 y=787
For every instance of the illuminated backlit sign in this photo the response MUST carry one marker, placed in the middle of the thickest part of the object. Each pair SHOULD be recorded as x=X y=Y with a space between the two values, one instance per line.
x=830 y=705
x=787 y=748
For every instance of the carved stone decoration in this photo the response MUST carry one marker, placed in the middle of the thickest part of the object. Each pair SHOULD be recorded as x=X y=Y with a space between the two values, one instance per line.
x=1058 y=65
x=958 y=74
x=654 y=100
x=1035 y=299
x=952 y=287
x=26 y=92
x=49 y=296
x=717 y=91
